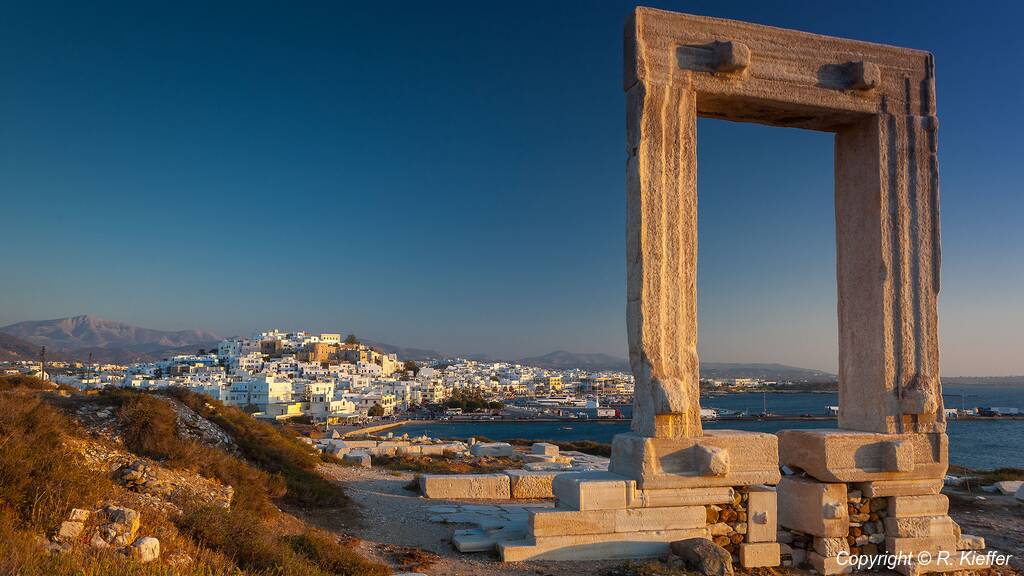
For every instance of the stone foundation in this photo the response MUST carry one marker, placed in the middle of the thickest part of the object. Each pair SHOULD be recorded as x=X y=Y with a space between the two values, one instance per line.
x=609 y=515
x=862 y=493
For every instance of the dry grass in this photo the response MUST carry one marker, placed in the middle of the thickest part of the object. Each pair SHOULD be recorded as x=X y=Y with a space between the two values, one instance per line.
x=445 y=464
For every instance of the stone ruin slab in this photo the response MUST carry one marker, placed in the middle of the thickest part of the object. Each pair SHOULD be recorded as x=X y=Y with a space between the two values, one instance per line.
x=718 y=458
x=832 y=455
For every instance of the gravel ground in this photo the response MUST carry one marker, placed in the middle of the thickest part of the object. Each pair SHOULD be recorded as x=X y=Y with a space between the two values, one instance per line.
x=395 y=527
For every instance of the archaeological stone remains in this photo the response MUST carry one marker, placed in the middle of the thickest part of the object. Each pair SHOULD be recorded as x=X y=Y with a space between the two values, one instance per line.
x=870 y=486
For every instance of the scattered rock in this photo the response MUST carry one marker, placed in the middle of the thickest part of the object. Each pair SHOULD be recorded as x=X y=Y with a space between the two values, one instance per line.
x=68 y=532
x=146 y=549
x=703 y=556
x=1009 y=486
x=78 y=515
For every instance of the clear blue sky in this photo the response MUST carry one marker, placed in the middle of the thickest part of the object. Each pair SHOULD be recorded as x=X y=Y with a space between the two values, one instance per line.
x=451 y=175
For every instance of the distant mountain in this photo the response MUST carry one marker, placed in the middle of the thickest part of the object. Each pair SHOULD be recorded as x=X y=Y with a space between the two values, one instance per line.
x=14 y=348
x=83 y=331
x=108 y=340
x=562 y=360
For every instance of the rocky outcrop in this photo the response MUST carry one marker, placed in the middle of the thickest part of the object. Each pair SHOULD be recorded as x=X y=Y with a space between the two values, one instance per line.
x=112 y=526
x=701 y=555
x=146 y=549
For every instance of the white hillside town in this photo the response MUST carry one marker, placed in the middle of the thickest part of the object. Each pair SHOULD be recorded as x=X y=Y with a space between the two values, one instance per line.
x=328 y=378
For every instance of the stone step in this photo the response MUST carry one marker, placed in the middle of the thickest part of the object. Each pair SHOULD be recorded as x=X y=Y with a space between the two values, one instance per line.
x=560 y=522
x=595 y=490
x=626 y=545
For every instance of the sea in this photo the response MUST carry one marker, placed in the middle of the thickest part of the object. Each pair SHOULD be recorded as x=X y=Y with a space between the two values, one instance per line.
x=979 y=444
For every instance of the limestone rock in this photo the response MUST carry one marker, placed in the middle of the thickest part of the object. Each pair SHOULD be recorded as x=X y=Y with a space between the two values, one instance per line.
x=1009 y=486
x=68 y=531
x=146 y=549
x=704 y=556
x=78 y=515
x=492 y=449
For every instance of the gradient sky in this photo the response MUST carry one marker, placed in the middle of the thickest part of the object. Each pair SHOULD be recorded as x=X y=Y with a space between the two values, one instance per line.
x=451 y=176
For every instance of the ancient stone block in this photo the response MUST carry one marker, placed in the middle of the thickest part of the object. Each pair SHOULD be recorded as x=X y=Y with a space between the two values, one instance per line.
x=827 y=566
x=812 y=507
x=932 y=544
x=652 y=498
x=465 y=486
x=970 y=542
x=544 y=448
x=882 y=488
x=658 y=463
x=925 y=505
x=762 y=514
x=592 y=490
x=759 y=555
x=831 y=547
x=531 y=484
x=492 y=449
x=832 y=455
x=647 y=519
x=919 y=527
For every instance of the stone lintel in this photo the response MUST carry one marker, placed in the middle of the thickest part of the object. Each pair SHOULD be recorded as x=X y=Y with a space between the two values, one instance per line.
x=660 y=463
x=832 y=455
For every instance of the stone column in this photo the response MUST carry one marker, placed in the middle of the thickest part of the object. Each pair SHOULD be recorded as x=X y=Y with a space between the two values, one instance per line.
x=661 y=253
x=887 y=241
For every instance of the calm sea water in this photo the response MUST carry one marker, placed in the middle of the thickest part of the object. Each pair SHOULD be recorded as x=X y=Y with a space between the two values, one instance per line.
x=974 y=443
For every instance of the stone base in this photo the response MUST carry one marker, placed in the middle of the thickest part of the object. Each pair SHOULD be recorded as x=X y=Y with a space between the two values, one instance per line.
x=718 y=458
x=849 y=456
x=601 y=515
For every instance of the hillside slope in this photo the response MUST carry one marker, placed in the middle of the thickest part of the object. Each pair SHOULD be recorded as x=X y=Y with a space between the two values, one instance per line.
x=127 y=473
